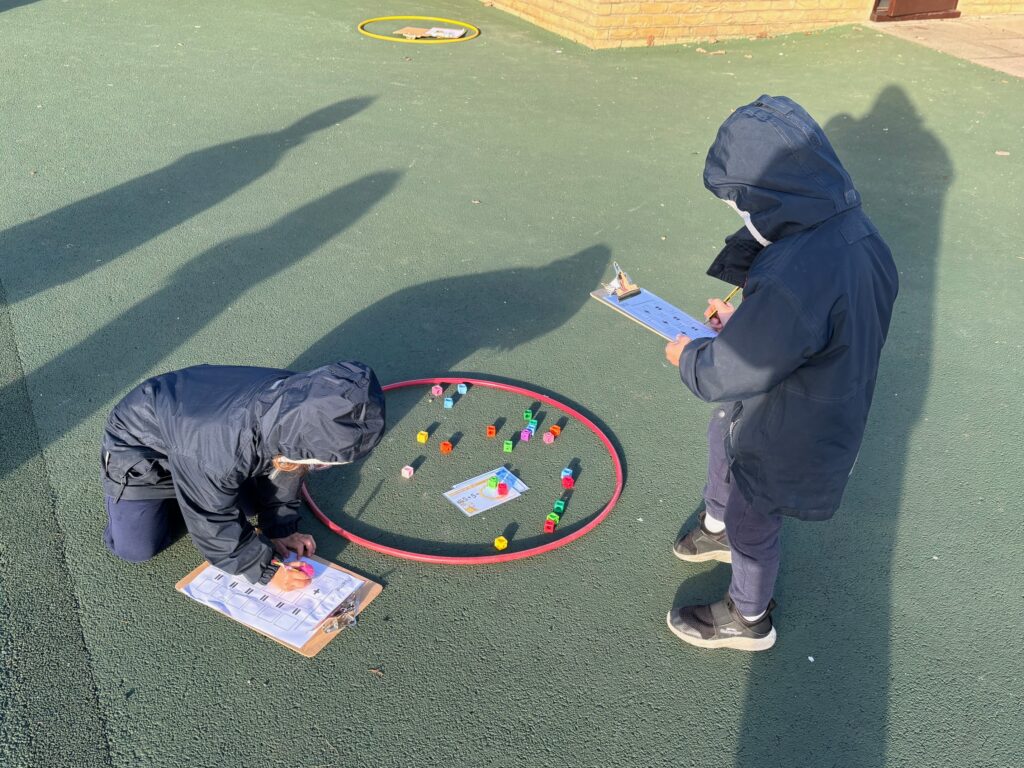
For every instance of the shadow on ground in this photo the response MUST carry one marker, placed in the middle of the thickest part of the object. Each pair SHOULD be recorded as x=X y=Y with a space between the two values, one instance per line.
x=118 y=355
x=78 y=238
x=10 y=5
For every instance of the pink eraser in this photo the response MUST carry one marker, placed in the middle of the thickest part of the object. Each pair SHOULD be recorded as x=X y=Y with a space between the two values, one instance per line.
x=548 y=438
x=437 y=390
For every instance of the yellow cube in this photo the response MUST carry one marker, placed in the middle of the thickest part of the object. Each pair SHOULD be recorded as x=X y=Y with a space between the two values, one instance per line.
x=422 y=437
x=500 y=543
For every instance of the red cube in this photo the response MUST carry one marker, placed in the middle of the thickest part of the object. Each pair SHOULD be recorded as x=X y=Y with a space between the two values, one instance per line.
x=503 y=489
x=491 y=430
x=568 y=482
x=549 y=526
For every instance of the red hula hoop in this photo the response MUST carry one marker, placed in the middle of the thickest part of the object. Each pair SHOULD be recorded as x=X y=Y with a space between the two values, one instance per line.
x=504 y=556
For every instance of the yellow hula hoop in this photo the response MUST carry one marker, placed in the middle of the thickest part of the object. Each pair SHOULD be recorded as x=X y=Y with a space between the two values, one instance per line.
x=474 y=31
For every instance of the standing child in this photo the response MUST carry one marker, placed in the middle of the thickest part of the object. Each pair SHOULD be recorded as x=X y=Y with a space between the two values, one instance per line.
x=793 y=368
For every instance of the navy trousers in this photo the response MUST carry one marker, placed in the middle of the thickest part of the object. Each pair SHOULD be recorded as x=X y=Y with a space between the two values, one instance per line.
x=753 y=531
x=137 y=530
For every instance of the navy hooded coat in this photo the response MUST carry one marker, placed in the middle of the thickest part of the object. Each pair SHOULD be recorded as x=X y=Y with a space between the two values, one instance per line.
x=208 y=435
x=800 y=355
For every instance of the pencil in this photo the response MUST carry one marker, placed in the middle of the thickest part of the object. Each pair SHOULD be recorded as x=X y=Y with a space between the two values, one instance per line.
x=732 y=293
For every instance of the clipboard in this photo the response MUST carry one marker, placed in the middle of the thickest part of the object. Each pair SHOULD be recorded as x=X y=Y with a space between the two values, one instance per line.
x=344 y=615
x=655 y=314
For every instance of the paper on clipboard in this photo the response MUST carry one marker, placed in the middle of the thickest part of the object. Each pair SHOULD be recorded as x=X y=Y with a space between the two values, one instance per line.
x=292 y=618
x=655 y=314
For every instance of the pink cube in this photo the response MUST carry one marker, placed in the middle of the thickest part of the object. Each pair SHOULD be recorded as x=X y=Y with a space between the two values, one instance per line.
x=437 y=390
x=407 y=472
x=548 y=438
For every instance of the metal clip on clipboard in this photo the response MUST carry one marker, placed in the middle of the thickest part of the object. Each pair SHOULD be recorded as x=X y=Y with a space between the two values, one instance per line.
x=343 y=617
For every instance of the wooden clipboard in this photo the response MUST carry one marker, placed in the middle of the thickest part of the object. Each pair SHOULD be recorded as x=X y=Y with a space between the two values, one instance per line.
x=324 y=633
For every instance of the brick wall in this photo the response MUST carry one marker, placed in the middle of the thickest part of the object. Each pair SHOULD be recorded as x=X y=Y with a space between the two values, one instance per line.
x=620 y=23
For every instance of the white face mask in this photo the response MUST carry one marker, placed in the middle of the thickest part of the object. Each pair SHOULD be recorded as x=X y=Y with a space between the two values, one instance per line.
x=748 y=224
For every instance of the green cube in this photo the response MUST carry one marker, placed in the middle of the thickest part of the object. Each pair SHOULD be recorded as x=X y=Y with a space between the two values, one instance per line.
x=527 y=414
x=492 y=482
x=508 y=446
x=559 y=506
x=554 y=517
x=533 y=423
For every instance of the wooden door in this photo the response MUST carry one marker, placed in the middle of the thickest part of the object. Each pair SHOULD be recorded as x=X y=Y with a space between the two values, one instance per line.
x=900 y=10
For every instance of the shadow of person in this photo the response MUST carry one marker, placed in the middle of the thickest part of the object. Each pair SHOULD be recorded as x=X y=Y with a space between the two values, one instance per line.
x=835 y=585
x=8 y=5
x=72 y=241
x=116 y=356
x=427 y=329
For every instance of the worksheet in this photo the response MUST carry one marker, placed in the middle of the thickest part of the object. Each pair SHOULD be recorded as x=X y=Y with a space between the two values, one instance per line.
x=656 y=314
x=289 y=617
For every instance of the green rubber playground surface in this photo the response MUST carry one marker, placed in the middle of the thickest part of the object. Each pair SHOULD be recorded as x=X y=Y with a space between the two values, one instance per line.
x=256 y=183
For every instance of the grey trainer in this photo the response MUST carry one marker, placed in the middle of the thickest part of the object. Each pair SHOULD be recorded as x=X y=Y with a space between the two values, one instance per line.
x=720 y=625
x=699 y=545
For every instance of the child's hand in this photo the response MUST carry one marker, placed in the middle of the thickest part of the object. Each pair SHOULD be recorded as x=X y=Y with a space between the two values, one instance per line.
x=302 y=544
x=718 y=313
x=288 y=578
x=674 y=349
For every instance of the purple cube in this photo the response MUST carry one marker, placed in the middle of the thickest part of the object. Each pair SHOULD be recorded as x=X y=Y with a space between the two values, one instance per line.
x=525 y=435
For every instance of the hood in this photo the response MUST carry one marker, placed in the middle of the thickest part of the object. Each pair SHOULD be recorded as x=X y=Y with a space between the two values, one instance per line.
x=773 y=163
x=334 y=413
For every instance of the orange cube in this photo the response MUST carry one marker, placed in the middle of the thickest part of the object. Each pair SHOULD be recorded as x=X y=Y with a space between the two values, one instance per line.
x=446 y=447
x=492 y=430
x=555 y=430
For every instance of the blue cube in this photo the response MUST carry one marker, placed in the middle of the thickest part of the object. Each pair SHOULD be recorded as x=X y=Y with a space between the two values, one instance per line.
x=566 y=472
x=449 y=403
x=461 y=389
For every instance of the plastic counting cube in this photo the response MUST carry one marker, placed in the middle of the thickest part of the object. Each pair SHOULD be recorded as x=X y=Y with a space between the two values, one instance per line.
x=461 y=388
x=449 y=403
x=549 y=526
x=548 y=438
x=407 y=472
x=559 y=506
x=527 y=414
x=492 y=482
x=568 y=483
x=554 y=517
x=555 y=430
x=500 y=543
x=533 y=424
x=503 y=489
x=567 y=472
x=525 y=435
x=422 y=437
x=492 y=430
x=507 y=447
x=446 y=447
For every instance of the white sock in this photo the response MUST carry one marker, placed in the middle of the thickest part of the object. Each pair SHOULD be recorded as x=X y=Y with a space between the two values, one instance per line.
x=758 y=617
x=713 y=525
